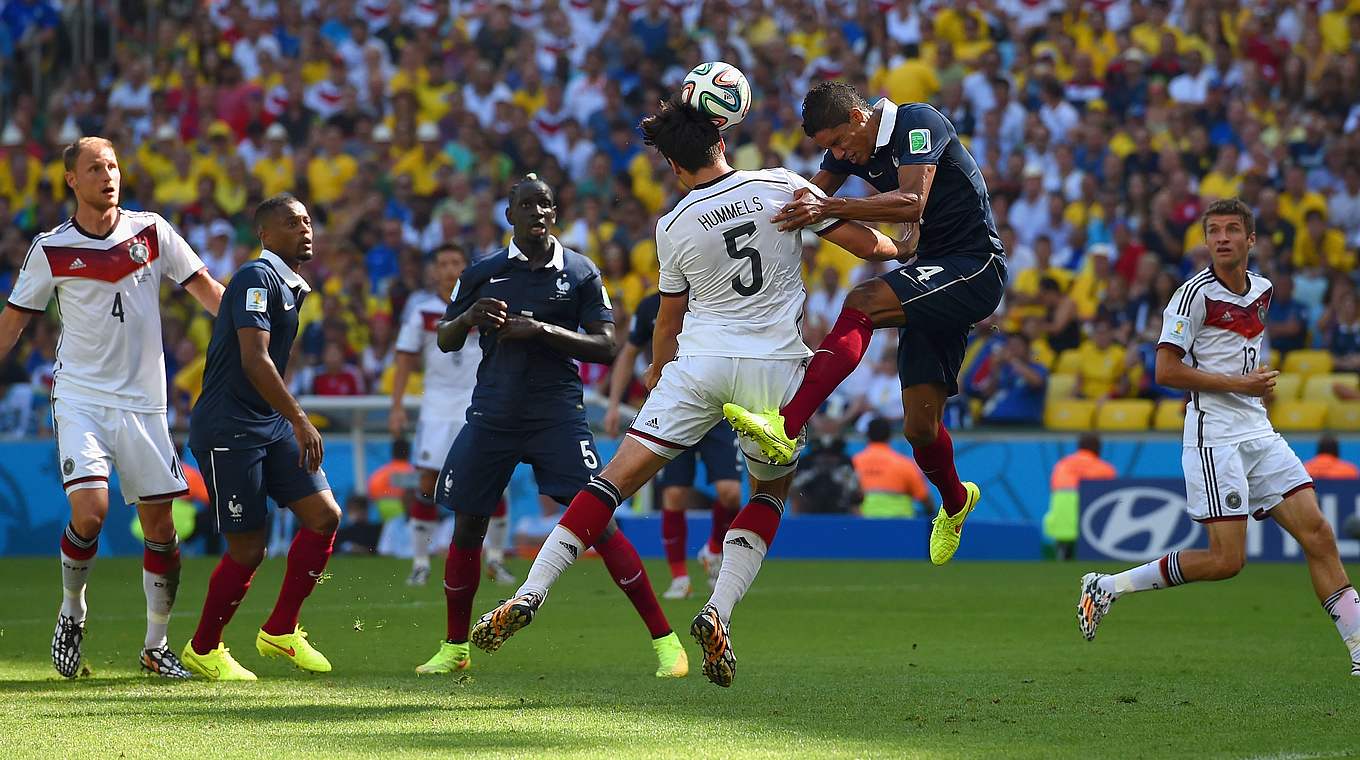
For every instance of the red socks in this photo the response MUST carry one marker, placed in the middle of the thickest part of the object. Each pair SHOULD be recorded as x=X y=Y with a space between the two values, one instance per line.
x=937 y=462
x=673 y=535
x=501 y=508
x=462 y=574
x=423 y=508
x=722 y=518
x=306 y=561
x=625 y=567
x=760 y=516
x=835 y=359
x=590 y=512
x=226 y=588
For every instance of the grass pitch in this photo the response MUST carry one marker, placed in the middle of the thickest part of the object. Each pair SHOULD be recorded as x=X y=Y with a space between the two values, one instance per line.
x=835 y=659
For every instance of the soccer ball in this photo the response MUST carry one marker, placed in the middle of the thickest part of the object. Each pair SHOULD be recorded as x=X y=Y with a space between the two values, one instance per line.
x=719 y=90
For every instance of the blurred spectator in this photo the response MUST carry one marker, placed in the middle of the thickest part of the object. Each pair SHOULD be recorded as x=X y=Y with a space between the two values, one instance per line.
x=1328 y=464
x=892 y=483
x=1015 y=387
x=1287 y=320
x=1060 y=321
x=826 y=481
x=336 y=377
x=1102 y=364
x=1344 y=339
x=358 y=534
x=1060 y=522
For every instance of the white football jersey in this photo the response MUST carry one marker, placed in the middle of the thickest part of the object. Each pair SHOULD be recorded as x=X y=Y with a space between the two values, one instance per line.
x=1219 y=331
x=108 y=296
x=743 y=276
x=449 y=378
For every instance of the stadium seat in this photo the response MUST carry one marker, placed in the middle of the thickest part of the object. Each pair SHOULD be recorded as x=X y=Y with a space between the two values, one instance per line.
x=1069 y=414
x=1297 y=416
x=1307 y=362
x=1321 y=387
x=1069 y=363
x=1061 y=385
x=1170 y=414
x=415 y=383
x=1287 y=387
x=1343 y=416
x=1124 y=414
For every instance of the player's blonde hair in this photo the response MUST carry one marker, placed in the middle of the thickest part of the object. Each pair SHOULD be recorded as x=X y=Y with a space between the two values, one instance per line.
x=71 y=154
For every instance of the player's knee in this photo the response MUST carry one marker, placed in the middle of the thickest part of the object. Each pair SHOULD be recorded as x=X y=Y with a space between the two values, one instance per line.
x=1226 y=565
x=673 y=500
x=1317 y=539
x=158 y=525
x=729 y=495
x=88 y=524
x=862 y=297
x=469 y=531
x=248 y=554
x=920 y=432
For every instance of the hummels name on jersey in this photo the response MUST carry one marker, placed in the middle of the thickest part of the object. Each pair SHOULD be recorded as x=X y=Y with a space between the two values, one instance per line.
x=729 y=212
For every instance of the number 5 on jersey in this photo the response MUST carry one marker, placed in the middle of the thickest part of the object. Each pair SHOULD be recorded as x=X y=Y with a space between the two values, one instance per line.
x=757 y=276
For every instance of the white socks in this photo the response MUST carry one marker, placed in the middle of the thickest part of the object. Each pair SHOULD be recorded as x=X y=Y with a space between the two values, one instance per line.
x=1159 y=573
x=75 y=573
x=1344 y=607
x=497 y=534
x=560 y=550
x=743 y=551
x=421 y=533
x=160 y=581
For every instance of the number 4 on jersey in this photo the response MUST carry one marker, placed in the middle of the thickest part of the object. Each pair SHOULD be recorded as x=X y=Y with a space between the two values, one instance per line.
x=117 y=310
x=925 y=273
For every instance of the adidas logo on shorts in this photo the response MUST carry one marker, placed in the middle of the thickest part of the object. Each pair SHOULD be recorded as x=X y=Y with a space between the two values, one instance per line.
x=653 y=424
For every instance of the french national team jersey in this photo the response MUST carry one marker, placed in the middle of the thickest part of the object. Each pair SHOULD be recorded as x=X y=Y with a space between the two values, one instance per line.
x=1220 y=331
x=744 y=277
x=108 y=295
x=448 y=378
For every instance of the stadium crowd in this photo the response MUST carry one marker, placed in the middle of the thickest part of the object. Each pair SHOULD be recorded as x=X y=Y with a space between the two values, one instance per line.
x=1103 y=128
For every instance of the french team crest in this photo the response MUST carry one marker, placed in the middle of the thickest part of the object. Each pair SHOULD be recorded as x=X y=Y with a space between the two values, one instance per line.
x=562 y=285
x=138 y=251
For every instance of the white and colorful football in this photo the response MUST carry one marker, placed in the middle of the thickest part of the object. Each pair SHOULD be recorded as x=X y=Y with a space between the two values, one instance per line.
x=719 y=90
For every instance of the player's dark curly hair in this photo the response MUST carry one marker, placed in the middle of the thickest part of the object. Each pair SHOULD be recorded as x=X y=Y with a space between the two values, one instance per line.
x=828 y=105
x=683 y=134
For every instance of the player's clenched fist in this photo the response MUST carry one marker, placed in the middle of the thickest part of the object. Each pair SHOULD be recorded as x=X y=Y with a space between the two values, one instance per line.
x=1259 y=382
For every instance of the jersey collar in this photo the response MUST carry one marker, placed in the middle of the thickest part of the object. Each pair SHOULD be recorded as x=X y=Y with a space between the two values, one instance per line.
x=290 y=278
x=887 y=122
x=558 y=258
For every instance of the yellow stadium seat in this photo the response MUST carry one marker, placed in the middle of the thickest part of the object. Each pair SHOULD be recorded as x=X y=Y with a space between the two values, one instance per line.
x=1322 y=387
x=1307 y=362
x=1274 y=358
x=1069 y=414
x=1061 y=385
x=1069 y=363
x=415 y=382
x=1343 y=416
x=1287 y=387
x=1297 y=416
x=1124 y=414
x=1170 y=415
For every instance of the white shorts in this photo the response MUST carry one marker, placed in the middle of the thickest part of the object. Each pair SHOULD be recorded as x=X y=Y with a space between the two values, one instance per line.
x=434 y=438
x=688 y=402
x=1248 y=478
x=94 y=440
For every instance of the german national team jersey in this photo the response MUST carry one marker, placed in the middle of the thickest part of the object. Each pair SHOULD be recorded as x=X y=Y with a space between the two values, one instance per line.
x=1220 y=331
x=230 y=414
x=744 y=277
x=958 y=213
x=108 y=295
x=644 y=322
x=527 y=384
x=448 y=378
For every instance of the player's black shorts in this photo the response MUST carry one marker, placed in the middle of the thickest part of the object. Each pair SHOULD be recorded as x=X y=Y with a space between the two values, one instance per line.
x=942 y=299
x=481 y=462
x=722 y=461
x=241 y=482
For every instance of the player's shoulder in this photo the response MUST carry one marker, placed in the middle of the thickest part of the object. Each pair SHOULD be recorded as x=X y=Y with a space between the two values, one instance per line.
x=1189 y=294
x=135 y=215
x=486 y=267
x=51 y=236
x=253 y=273
x=1258 y=283
x=578 y=263
x=919 y=114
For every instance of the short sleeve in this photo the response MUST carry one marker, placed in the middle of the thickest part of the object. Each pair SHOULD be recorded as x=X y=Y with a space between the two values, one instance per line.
x=644 y=322
x=34 y=285
x=593 y=301
x=464 y=295
x=180 y=261
x=922 y=138
x=249 y=299
x=671 y=281
x=1181 y=320
x=411 y=336
x=798 y=182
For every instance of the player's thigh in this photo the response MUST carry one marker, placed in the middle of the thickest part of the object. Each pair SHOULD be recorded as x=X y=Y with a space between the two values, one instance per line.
x=877 y=299
x=144 y=455
x=434 y=437
x=960 y=289
x=685 y=405
x=1216 y=487
x=564 y=458
x=477 y=469
x=931 y=356
x=1274 y=473
x=236 y=491
x=85 y=445
x=286 y=481
x=719 y=453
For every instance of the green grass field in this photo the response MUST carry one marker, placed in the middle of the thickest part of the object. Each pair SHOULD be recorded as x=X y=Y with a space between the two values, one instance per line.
x=841 y=659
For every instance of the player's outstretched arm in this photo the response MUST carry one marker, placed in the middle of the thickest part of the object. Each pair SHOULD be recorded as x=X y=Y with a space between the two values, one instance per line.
x=265 y=377
x=206 y=290
x=901 y=206
x=12 y=324
x=871 y=245
x=1173 y=373
x=670 y=319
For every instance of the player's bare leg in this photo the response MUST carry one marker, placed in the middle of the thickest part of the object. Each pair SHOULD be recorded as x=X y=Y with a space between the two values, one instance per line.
x=674 y=530
x=1225 y=557
x=282 y=635
x=1299 y=514
x=160 y=582
x=933 y=449
x=423 y=521
x=747 y=541
x=79 y=544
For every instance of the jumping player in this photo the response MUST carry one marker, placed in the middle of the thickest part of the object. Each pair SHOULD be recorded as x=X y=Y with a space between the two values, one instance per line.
x=1235 y=463
x=735 y=282
x=255 y=443
x=676 y=481
x=448 y=382
x=912 y=156
x=529 y=303
x=105 y=266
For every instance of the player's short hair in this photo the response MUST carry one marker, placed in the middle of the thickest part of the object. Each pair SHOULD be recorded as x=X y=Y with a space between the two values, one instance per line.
x=683 y=134
x=880 y=430
x=401 y=449
x=828 y=105
x=529 y=179
x=1327 y=444
x=265 y=212
x=70 y=155
x=1230 y=207
x=1090 y=442
x=449 y=248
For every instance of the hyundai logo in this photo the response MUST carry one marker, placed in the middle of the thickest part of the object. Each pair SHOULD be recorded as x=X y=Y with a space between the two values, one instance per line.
x=1138 y=524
